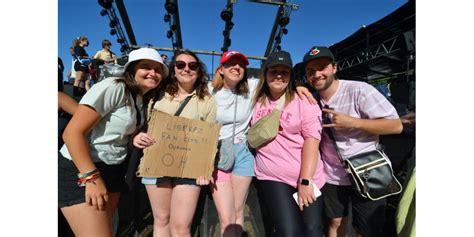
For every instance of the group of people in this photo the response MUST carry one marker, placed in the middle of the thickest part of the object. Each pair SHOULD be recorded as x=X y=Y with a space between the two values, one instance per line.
x=84 y=68
x=301 y=159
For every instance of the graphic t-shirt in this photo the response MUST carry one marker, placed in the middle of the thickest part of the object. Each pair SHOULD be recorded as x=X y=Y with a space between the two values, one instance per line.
x=280 y=160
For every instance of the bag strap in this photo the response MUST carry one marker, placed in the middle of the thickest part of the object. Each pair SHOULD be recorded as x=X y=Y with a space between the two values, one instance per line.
x=177 y=113
x=329 y=131
x=181 y=107
x=235 y=116
x=138 y=111
x=281 y=102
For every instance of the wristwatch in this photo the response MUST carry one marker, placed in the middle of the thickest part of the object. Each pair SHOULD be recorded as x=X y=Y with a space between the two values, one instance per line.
x=304 y=182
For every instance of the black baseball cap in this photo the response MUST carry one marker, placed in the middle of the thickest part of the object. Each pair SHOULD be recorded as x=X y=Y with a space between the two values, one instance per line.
x=314 y=53
x=278 y=58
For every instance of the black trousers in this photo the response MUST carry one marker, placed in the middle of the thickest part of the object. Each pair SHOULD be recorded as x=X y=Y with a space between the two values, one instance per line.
x=285 y=213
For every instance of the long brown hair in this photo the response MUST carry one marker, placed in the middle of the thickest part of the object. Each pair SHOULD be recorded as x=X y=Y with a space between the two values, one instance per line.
x=131 y=85
x=200 y=85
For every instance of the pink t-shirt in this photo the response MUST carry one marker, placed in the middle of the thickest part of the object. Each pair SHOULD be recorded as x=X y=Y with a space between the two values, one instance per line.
x=359 y=100
x=280 y=159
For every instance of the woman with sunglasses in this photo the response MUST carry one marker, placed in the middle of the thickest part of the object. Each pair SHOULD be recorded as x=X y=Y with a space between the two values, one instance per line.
x=90 y=172
x=290 y=162
x=233 y=92
x=106 y=55
x=174 y=200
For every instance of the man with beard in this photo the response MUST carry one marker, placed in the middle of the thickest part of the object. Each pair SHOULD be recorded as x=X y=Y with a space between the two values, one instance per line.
x=357 y=114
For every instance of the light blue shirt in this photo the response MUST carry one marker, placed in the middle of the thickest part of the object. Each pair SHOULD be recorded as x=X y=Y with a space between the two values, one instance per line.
x=108 y=140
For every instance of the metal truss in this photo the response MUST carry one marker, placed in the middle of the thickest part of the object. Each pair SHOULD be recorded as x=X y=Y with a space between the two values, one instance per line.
x=114 y=23
x=385 y=48
x=282 y=19
x=205 y=52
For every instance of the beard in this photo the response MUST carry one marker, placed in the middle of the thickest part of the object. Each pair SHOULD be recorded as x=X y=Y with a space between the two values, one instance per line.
x=327 y=83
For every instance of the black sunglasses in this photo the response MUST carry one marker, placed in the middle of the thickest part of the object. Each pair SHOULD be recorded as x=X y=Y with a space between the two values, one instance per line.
x=192 y=65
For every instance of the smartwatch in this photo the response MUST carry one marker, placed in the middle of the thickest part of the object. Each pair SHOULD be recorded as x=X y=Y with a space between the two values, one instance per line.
x=304 y=182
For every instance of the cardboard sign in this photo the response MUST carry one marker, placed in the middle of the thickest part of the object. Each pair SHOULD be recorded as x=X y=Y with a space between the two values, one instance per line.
x=184 y=147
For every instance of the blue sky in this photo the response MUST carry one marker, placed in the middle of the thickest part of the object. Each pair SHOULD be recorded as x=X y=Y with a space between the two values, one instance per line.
x=316 y=22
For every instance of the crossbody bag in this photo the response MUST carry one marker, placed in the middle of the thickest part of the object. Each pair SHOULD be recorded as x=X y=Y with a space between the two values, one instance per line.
x=226 y=147
x=266 y=129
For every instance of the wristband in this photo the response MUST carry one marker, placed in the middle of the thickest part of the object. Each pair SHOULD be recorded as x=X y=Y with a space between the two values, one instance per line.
x=82 y=181
x=89 y=173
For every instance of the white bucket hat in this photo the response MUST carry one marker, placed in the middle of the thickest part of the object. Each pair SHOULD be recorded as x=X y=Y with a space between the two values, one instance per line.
x=147 y=53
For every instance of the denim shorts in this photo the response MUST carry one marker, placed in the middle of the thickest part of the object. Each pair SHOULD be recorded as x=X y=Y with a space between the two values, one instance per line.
x=173 y=180
x=244 y=161
x=243 y=166
x=69 y=193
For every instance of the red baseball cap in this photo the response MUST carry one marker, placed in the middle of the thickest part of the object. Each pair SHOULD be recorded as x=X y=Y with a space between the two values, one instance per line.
x=232 y=53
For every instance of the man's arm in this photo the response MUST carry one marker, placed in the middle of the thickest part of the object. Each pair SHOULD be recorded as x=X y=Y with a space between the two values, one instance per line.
x=373 y=126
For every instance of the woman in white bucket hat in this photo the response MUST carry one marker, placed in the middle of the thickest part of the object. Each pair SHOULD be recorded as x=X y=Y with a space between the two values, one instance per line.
x=90 y=175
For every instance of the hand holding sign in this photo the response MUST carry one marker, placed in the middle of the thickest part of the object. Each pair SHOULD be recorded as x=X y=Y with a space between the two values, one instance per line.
x=143 y=140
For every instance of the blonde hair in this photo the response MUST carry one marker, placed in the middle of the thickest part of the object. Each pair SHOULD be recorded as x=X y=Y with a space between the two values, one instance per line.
x=218 y=82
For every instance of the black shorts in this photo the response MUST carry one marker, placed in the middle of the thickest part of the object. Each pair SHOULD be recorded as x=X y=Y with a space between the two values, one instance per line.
x=69 y=193
x=79 y=67
x=368 y=217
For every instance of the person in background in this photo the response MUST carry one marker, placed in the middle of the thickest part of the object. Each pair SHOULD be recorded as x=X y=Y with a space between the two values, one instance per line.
x=165 y=58
x=71 y=75
x=106 y=54
x=82 y=70
x=60 y=74
x=357 y=115
x=290 y=162
x=174 y=200
x=90 y=174
x=405 y=218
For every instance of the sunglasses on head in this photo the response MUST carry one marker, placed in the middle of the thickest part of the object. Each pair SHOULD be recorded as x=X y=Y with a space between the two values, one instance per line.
x=192 y=65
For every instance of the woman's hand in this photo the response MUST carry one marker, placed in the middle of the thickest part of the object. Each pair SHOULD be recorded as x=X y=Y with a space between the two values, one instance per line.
x=304 y=92
x=305 y=195
x=96 y=193
x=143 y=140
x=202 y=181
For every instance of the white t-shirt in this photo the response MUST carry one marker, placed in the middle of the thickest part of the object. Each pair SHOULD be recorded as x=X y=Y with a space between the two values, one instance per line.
x=225 y=100
x=109 y=139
